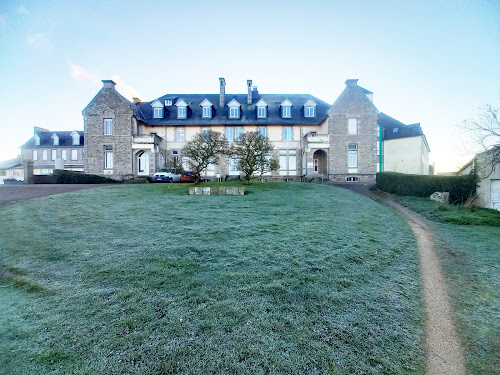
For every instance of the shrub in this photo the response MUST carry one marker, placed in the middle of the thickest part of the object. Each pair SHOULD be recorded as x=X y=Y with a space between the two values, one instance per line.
x=460 y=188
x=60 y=176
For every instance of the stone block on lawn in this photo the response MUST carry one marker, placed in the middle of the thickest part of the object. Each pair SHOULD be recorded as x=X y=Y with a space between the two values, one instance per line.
x=217 y=190
x=441 y=197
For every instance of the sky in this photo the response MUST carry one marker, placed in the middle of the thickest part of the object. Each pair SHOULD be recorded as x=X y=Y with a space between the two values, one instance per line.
x=430 y=62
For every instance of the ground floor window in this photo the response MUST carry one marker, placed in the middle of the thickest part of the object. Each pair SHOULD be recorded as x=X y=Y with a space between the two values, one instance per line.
x=108 y=157
x=234 y=166
x=352 y=155
x=288 y=161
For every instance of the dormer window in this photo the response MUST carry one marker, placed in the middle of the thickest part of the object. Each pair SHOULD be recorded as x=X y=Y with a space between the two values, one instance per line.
x=158 y=113
x=157 y=109
x=206 y=106
x=261 y=109
x=168 y=102
x=55 y=139
x=234 y=109
x=286 y=109
x=76 y=138
x=37 y=140
x=181 y=109
x=310 y=108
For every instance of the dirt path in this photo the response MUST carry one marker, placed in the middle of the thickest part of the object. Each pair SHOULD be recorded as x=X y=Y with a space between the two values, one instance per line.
x=14 y=193
x=442 y=344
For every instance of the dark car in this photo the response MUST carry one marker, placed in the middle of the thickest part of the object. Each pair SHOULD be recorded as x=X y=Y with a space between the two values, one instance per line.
x=187 y=176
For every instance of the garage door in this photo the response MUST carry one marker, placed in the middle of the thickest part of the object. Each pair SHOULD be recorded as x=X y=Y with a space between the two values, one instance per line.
x=495 y=194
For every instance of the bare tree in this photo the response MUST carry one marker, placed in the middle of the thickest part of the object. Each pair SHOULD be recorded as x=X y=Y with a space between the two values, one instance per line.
x=204 y=149
x=485 y=133
x=254 y=154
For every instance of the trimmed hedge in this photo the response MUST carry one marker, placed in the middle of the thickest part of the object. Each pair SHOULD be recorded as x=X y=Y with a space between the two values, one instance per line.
x=60 y=176
x=459 y=187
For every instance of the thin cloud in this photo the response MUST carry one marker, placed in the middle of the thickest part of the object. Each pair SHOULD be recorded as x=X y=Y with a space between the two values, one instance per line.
x=128 y=91
x=2 y=21
x=38 y=40
x=81 y=74
x=22 y=10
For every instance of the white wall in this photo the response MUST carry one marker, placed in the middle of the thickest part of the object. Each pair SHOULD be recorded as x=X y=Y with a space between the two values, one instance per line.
x=406 y=155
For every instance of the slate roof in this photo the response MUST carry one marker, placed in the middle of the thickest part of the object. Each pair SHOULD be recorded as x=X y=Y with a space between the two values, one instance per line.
x=7 y=164
x=403 y=131
x=248 y=113
x=46 y=140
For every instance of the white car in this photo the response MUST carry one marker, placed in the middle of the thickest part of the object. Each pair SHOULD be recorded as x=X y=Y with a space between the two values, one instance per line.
x=167 y=175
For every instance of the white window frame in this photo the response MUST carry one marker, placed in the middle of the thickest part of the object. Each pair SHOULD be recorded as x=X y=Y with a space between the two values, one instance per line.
x=53 y=155
x=288 y=161
x=262 y=131
x=261 y=112
x=352 y=125
x=180 y=134
x=234 y=112
x=168 y=102
x=205 y=133
x=35 y=155
x=287 y=133
x=64 y=154
x=74 y=154
x=158 y=112
x=108 y=157
x=310 y=111
x=55 y=140
x=286 y=111
x=37 y=140
x=45 y=155
x=181 y=112
x=238 y=132
x=207 y=112
x=229 y=134
x=352 y=155
x=108 y=127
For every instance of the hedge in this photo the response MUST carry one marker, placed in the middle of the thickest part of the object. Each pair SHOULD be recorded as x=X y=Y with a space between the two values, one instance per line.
x=60 y=176
x=460 y=187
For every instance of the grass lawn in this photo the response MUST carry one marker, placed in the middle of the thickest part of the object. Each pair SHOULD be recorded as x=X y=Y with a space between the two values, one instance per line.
x=145 y=279
x=470 y=258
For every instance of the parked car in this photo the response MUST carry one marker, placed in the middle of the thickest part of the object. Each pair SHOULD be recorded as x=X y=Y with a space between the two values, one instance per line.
x=187 y=176
x=167 y=175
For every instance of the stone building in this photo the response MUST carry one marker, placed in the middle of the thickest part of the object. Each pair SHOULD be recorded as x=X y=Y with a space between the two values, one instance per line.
x=312 y=138
x=51 y=150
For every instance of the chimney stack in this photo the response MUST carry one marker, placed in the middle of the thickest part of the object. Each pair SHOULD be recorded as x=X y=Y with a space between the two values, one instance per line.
x=136 y=100
x=249 y=97
x=108 y=84
x=351 y=82
x=222 y=99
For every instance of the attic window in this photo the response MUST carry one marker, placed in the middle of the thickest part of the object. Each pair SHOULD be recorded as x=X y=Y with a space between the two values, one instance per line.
x=158 y=112
x=310 y=108
x=395 y=130
x=286 y=111
x=168 y=102
x=76 y=138
x=261 y=109
x=181 y=112
x=37 y=140
x=234 y=112
x=55 y=139
x=207 y=112
x=309 y=112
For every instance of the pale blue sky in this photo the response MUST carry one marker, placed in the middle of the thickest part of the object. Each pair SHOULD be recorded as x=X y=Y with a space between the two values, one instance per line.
x=433 y=62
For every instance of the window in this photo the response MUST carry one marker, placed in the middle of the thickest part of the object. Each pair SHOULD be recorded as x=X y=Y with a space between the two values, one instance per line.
x=185 y=163
x=234 y=164
x=158 y=112
x=54 y=154
x=309 y=112
x=44 y=154
x=229 y=134
x=35 y=155
x=286 y=111
x=352 y=179
x=168 y=102
x=395 y=130
x=237 y=133
x=207 y=112
x=261 y=112
x=74 y=154
x=352 y=156
x=175 y=156
x=180 y=135
x=37 y=140
x=108 y=157
x=234 y=112
x=205 y=133
x=287 y=133
x=288 y=161
x=108 y=127
x=76 y=139
x=352 y=125
x=262 y=132
x=64 y=154
x=55 y=140
x=181 y=112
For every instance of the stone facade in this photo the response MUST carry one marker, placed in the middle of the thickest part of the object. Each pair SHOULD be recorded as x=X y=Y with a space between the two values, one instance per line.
x=339 y=142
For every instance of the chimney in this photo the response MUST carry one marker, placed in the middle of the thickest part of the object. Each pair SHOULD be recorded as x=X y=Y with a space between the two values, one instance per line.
x=108 y=84
x=222 y=99
x=249 y=85
x=255 y=91
x=351 y=82
x=136 y=100
x=37 y=129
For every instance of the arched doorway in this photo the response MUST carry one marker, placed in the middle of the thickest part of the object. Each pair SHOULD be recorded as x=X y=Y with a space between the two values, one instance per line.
x=319 y=162
x=142 y=163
